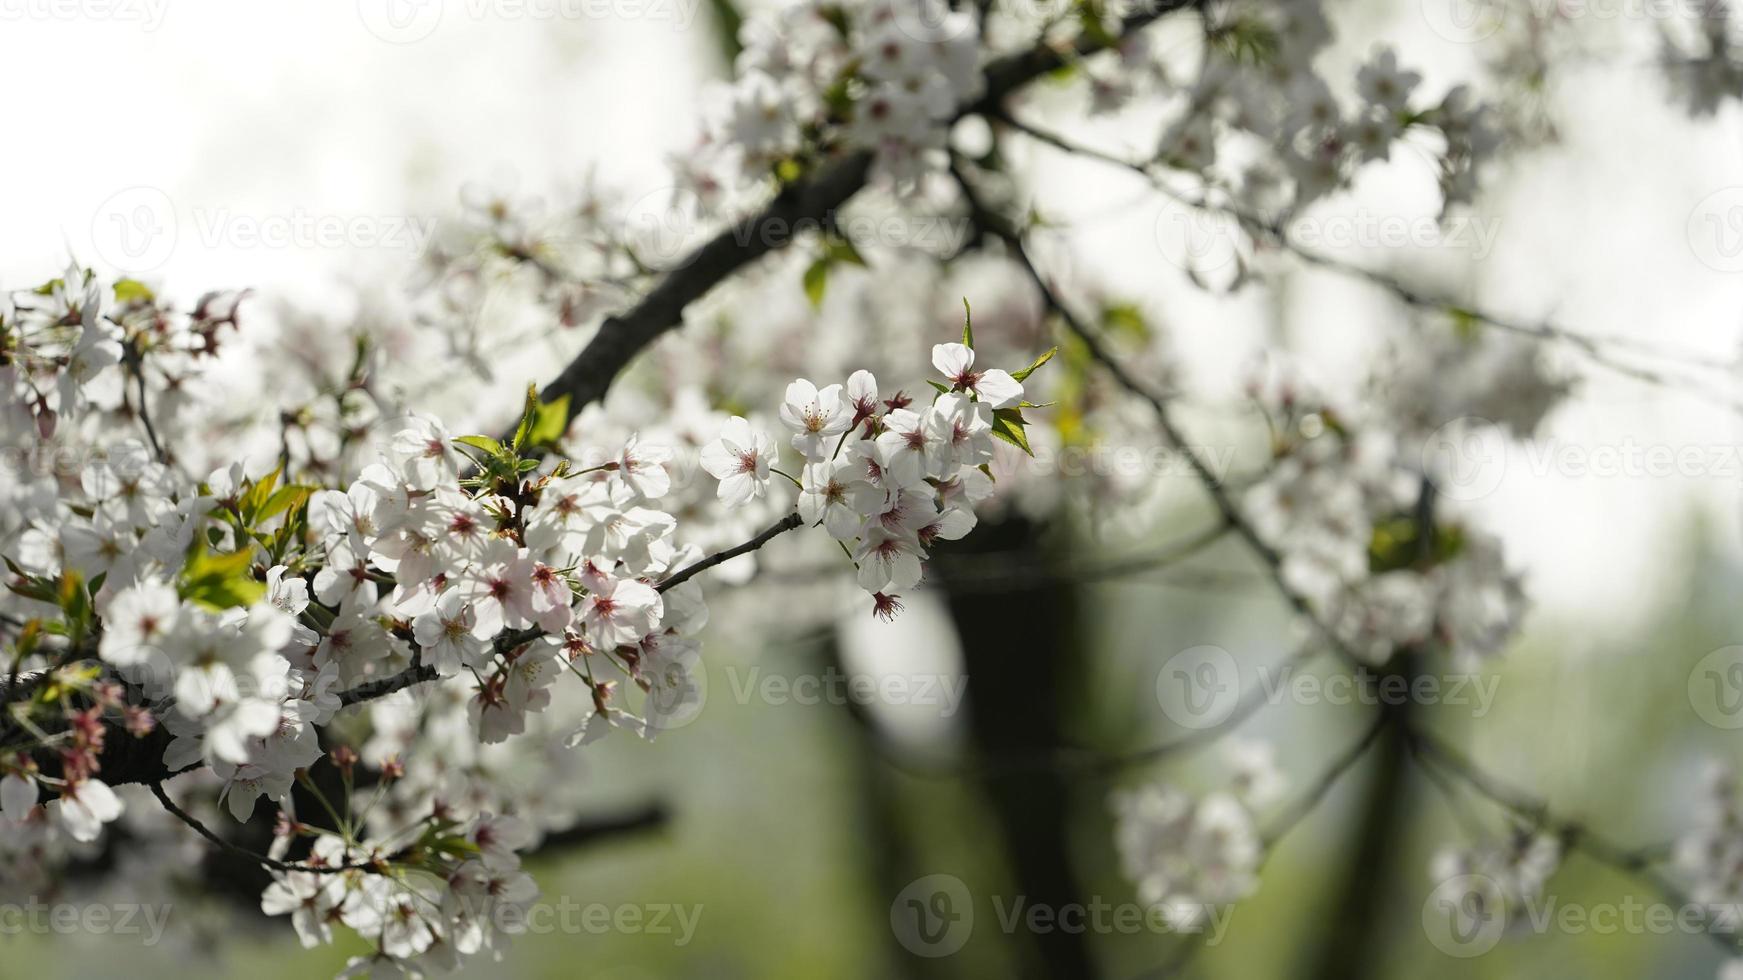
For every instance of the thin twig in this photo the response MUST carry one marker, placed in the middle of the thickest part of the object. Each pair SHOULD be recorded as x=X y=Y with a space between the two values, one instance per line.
x=774 y=530
x=1637 y=863
x=273 y=863
x=1221 y=498
x=1275 y=231
x=1310 y=800
x=815 y=199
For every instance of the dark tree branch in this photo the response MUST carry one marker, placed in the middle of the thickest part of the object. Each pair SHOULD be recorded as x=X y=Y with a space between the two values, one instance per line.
x=1224 y=501
x=237 y=849
x=1573 y=834
x=650 y=816
x=773 y=531
x=1596 y=348
x=620 y=338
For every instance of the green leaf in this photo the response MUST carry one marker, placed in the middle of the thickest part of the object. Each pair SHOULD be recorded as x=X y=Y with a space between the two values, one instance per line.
x=221 y=580
x=1043 y=359
x=943 y=389
x=840 y=250
x=284 y=498
x=816 y=281
x=1125 y=318
x=250 y=504
x=1465 y=323
x=527 y=413
x=32 y=586
x=1008 y=425
x=74 y=601
x=1396 y=544
x=485 y=443
x=132 y=290
x=967 y=325
x=551 y=420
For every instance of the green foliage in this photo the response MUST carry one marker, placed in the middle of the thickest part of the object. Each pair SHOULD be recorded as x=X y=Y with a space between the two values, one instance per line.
x=1008 y=425
x=1024 y=373
x=1396 y=544
x=816 y=282
x=220 y=580
x=132 y=290
x=836 y=251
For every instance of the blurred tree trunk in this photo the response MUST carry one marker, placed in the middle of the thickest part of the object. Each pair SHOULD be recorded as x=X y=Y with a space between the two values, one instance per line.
x=1378 y=848
x=1023 y=657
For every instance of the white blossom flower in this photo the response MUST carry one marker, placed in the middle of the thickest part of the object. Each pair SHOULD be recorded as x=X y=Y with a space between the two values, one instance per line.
x=137 y=622
x=995 y=387
x=18 y=796
x=619 y=611
x=740 y=460
x=816 y=416
x=84 y=807
x=445 y=634
x=888 y=562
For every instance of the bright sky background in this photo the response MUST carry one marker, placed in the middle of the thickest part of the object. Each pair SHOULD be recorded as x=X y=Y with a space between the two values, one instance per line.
x=269 y=111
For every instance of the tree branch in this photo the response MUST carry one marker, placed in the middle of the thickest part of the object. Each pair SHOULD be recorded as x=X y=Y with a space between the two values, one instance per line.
x=1637 y=863
x=773 y=531
x=587 y=377
x=1596 y=348
x=1219 y=494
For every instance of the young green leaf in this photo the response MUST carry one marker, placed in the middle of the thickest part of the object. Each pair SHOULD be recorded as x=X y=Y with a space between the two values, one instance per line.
x=527 y=413
x=1043 y=359
x=816 y=282
x=550 y=422
x=220 y=580
x=1008 y=425
x=484 y=443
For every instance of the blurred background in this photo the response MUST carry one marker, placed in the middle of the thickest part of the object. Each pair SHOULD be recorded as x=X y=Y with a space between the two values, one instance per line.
x=797 y=830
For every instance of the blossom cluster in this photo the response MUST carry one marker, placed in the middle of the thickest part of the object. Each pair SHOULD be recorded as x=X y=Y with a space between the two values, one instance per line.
x=874 y=74
x=1349 y=504
x=464 y=901
x=448 y=586
x=1186 y=855
x=1710 y=853
x=1707 y=68
x=886 y=478
x=1495 y=881
x=1257 y=87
